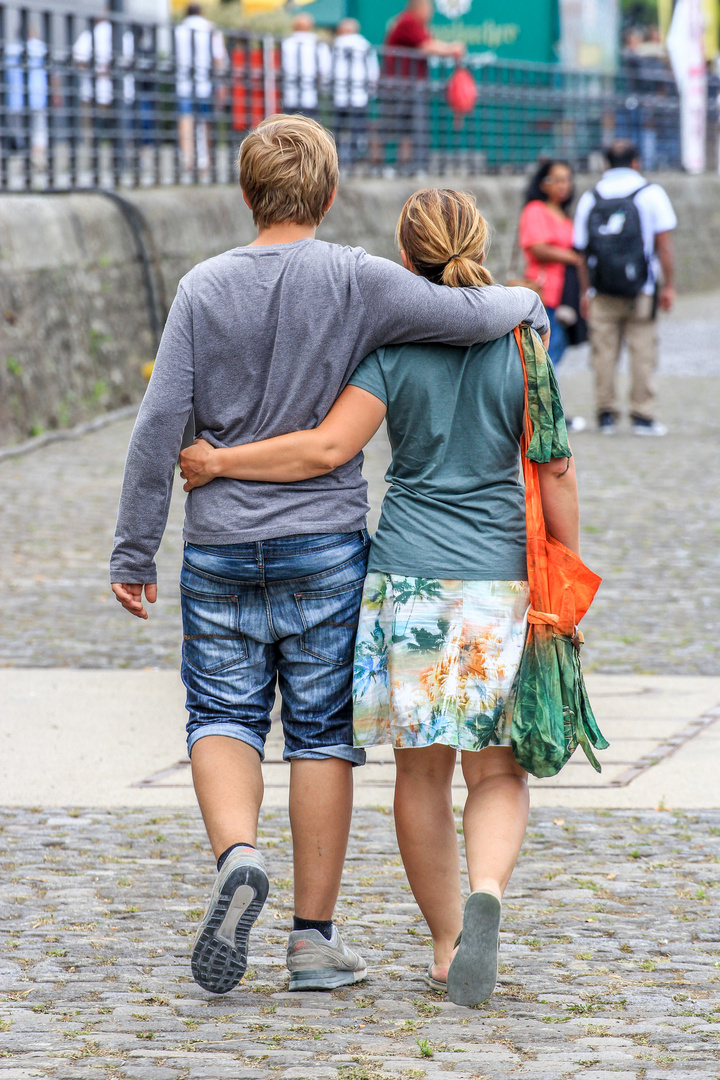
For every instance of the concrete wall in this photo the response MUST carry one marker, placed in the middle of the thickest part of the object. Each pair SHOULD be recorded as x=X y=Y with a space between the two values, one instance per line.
x=75 y=328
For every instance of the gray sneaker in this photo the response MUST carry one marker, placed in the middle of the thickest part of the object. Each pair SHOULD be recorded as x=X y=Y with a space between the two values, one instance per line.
x=315 y=963
x=219 y=955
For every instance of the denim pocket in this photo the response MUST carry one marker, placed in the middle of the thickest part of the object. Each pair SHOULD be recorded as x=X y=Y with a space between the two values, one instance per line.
x=330 y=618
x=212 y=640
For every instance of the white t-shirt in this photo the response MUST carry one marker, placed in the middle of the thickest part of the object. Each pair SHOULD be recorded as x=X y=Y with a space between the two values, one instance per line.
x=654 y=207
x=355 y=71
x=100 y=41
x=305 y=65
x=199 y=46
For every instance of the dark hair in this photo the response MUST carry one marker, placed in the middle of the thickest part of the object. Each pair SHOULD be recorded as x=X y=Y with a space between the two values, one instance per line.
x=535 y=189
x=621 y=154
x=194 y=9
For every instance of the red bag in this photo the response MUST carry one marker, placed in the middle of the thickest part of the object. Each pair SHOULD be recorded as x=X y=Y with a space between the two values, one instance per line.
x=461 y=91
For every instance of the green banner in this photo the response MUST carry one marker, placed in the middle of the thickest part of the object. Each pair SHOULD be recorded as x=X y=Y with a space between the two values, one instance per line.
x=523 y=30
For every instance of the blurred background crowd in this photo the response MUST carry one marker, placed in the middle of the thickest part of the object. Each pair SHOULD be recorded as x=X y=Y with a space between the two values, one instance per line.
x=139 y=92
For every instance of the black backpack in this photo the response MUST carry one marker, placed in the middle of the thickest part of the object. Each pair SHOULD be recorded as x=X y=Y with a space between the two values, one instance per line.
x=616 y=258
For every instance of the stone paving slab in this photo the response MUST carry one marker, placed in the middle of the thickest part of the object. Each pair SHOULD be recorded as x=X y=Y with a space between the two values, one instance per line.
x=648 y=511
x=610 y=955
x=116 y=738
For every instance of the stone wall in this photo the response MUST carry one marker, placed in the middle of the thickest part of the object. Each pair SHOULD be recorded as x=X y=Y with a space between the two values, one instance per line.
x=75 y=324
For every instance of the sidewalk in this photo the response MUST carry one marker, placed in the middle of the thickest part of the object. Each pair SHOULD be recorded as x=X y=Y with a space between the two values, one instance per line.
x=108 y=738
x=610 y=959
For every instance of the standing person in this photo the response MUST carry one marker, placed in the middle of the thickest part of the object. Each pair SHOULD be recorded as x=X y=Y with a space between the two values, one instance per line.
x=624 y=229
x=355 y=73
x=260 y=341
x=199 y=52
x=306 y=67
x=407 y=112
x=29 y=89
x=108 y=118
x=545 y=236
x=445 y=601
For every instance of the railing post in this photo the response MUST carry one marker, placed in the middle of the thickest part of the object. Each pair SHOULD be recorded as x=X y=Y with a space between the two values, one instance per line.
x=269 y=80
x=4 y=135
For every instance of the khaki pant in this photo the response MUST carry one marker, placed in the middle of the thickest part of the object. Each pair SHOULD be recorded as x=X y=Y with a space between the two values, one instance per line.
x=612 y=320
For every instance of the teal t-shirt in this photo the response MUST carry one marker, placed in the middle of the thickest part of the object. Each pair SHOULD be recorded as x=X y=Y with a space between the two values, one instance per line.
x=456 y=505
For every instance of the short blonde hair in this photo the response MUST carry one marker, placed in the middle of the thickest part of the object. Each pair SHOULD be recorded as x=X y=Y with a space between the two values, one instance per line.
x=288 y=170
x=445 y=237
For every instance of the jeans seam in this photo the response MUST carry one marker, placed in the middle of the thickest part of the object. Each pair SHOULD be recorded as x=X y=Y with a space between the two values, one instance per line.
x=328 y=570
x=268 y=613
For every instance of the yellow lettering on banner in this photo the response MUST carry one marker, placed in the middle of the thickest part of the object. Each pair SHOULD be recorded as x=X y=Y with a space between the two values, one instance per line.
x=489 y=34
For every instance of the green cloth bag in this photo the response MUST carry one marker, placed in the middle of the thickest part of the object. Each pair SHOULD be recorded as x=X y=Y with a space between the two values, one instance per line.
x=552 y=714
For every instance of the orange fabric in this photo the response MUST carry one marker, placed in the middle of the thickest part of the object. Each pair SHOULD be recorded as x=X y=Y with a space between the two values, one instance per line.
x=562 y=587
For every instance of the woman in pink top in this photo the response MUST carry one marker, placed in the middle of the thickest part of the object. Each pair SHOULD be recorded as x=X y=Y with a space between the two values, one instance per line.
x=546 y=239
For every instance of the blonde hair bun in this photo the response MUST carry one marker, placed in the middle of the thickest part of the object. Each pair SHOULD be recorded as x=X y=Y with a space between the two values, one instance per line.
x=445 y=237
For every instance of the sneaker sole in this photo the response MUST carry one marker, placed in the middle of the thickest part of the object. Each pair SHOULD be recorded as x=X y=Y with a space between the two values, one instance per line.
x=473 y=971
x=219 y=957
x=325 y=979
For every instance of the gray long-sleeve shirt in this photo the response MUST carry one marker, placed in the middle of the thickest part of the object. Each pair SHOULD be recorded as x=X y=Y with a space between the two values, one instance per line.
x=260 y=341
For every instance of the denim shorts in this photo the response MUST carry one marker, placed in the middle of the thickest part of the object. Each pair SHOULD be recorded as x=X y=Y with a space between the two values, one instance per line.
x=283 y=610
x=199 y=107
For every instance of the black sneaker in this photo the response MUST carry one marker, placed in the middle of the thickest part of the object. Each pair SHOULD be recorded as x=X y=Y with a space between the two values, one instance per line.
x=643 y=426
x=606 y=423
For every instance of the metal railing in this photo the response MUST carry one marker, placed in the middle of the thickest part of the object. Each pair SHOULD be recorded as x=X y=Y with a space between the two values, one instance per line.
x=105 y=103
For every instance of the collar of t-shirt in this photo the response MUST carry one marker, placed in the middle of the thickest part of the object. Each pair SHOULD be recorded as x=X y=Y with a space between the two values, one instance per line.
x=617 y=183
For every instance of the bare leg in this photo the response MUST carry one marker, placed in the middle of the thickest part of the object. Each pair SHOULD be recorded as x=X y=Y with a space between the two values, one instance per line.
x=229 y=786
x=495 y=818
x=186 y=129
x=427 y=838
x=202 y=147
x=321 y=793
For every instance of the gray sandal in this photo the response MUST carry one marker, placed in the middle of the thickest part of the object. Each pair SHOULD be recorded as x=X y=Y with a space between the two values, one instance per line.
x=434 y=984
x=473 y=971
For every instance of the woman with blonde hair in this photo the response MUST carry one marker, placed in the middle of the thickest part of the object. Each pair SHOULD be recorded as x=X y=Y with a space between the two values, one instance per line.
x=445 y=601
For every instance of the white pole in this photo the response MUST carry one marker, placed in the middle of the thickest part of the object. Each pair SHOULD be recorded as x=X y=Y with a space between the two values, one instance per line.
x=686 y=47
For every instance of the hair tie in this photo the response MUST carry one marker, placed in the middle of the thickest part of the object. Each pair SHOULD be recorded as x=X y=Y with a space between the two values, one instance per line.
x=455 y=256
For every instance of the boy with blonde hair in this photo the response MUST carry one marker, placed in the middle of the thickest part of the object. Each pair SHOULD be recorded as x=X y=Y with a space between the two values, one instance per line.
x=260 y=341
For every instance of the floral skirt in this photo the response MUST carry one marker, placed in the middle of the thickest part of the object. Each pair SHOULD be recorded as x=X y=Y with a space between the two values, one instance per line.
x=436 y=661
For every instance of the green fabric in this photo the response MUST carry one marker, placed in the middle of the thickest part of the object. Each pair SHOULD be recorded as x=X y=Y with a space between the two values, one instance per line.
x=544 y=405
x=455 y=507
x=552 y=715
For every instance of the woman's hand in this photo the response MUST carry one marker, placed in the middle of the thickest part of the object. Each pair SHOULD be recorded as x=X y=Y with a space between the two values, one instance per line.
x=198 y=464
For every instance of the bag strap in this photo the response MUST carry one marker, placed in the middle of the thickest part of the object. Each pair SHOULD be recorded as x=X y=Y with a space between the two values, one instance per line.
x=533 y=501
x=534 y=518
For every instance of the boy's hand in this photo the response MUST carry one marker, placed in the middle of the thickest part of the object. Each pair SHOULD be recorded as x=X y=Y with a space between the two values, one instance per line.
x=196 y=464
x=130 y=596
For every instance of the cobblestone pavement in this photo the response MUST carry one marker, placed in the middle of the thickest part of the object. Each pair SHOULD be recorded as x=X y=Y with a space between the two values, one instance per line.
x=610 y=957
x=649 y=514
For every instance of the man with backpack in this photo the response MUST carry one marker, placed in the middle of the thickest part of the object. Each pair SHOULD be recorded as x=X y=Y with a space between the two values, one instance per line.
x=624 y=227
